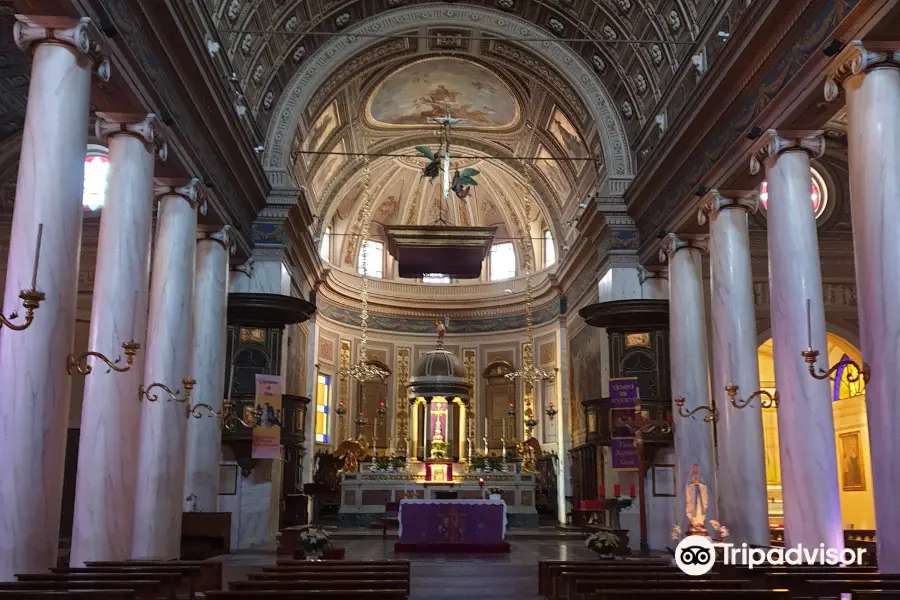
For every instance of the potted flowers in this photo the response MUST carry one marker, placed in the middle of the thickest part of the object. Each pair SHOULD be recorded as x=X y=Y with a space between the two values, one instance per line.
x=720 y=530
x=312 y=542
x=604 y=542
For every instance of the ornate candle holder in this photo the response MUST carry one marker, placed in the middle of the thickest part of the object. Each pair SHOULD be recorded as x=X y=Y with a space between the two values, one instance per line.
x=80 y=364
x=31 y=298
x=173 y=396
x=810 y=356
x=711 y=417
x=196 y=410
x=766 y=400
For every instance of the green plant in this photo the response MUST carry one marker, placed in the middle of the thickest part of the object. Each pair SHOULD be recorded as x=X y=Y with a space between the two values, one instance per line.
x=495 y=490
x=381 y=463
x=478 y=462
x=494 y=463
x=398 y=462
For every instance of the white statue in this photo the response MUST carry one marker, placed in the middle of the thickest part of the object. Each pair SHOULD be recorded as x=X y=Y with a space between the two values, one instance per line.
x=696 y=502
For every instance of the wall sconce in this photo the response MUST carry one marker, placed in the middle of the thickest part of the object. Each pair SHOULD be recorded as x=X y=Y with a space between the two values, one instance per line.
x=80 y=364
x=550 y=410
x=811 y=356
x=173 y=396
x=766 y=400
x=31 y=298
x=712 y=417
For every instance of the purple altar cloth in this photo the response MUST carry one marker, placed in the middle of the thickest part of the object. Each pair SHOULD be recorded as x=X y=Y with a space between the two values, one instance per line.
x=452 y=521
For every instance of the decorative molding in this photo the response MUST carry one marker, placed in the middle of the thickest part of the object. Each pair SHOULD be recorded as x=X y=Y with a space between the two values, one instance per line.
x=672 y=244
x=716 y=202
x=402 y=364
x=774 y=143
x=339 y=49
x=836 y=296
x=856 y=58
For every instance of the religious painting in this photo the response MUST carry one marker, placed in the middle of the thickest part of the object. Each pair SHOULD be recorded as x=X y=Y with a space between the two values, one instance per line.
x=426 y=88
x=585 y=366
x=323 y=127
x=565 y=134
x=553 y=172
x=329 y=167
x=853 y=476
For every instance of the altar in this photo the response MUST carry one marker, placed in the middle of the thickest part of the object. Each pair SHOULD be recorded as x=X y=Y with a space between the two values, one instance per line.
x=452 y=525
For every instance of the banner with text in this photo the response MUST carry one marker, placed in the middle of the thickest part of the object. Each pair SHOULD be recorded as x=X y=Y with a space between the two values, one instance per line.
x=623 y=398
x=267 y=433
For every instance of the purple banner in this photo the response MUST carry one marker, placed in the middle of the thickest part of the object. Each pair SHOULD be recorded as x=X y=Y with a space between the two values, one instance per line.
x=451 y=522
x=623 y=398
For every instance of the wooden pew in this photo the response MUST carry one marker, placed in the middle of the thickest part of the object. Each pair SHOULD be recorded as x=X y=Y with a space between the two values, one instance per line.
x=125 y=594
x=400 y=579
x=544 y=567
x=210 y=570
x=142 y=588
x=876 y=595
x=565 y=585
x=171 y=582
x=558 y=577
x=307 y=594
x=833 y=588
x=318 y=584
x=342 y=563
x=689 y=594
x=190 y=573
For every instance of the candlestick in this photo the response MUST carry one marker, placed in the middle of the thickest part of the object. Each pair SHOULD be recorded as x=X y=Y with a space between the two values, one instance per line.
x=617 y=490
x=503 y=448
x=601 y=491
x=808 y=324
x=631 y=490
x=485 y=446
x=37 y=256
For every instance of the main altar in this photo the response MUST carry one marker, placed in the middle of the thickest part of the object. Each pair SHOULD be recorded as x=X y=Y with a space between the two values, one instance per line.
x=440 y=460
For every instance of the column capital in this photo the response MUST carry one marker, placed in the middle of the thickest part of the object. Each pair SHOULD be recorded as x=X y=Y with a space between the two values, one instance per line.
x=672 y=244
x=224 y=237
x=856 y=59
x=146 y=128
x=30 y=31
x=191 y=190
x=717 y=201
x=774 y=143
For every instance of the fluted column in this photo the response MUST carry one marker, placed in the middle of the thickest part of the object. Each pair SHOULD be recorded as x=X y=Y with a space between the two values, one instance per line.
x=812 y=508
x=160 y=466
x=204 y=438
x=743 y=502
x=871 y=81
x=689 y=367
x=35 y=406
x=108 y=447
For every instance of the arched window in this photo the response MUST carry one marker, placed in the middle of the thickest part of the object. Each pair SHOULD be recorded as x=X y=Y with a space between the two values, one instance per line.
x=549 y=249
x=503 y=262
x=371 y=259
x=96 y=178
x=325 y=248
x=818 y=193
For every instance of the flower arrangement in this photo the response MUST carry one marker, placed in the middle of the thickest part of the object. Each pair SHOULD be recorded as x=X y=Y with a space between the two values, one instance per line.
x=603 y=542
x=495 y=490
x=313 y=541
x=720 y=529
x=438 y=449
x=676 y=532
x=387 y=464
x=477 y=463
x=494 y=463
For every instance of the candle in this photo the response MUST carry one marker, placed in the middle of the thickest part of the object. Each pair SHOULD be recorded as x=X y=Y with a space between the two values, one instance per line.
x=617 y=490
x=485 y=427
x=504 y=429
x=601 y=491
x=37 y=256
x=730 y=365
x=631 y=490
x=808 y=324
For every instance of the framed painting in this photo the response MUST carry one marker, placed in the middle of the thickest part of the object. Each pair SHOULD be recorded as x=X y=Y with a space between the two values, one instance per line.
x=853 y=473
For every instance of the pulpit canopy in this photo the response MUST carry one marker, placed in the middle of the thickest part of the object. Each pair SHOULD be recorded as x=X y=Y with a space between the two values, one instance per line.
x=439 y=373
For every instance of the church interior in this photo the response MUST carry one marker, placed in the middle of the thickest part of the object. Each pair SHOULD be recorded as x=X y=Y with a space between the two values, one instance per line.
x=413 y=299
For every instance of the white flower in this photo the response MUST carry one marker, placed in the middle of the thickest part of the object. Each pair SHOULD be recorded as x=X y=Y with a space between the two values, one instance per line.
x=676 y=532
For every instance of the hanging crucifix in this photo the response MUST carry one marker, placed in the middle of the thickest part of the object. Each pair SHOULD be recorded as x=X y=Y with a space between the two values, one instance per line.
x=461 y=182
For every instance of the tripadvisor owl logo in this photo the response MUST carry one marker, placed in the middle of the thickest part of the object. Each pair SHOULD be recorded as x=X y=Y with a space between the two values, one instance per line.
x=695 y=555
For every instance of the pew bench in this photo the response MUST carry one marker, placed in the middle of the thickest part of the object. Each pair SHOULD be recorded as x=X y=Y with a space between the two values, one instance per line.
x=689 y=594
x=565 y=586
x=190 y=573
x=558 y=578
x=124 y=594
x=171 y=582
x=357 y=594
x=544 y=567
x=210 y=570
x=833 y=588
x=876 y=595
x=142 y=588
x=401 y=580
x=318 y=584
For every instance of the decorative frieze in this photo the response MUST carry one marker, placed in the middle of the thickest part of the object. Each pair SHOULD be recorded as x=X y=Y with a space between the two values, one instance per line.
x=836 y=296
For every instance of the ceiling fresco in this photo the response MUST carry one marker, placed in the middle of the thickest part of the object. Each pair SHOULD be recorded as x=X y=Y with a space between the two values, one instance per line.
x=427 y=88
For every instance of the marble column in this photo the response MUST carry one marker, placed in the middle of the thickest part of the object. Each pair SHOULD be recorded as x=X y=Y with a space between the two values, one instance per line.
x=563 y=431
x=743 y=502
x=160 y=466
x=871 y=81
x=689 y=368
x=207 y=367
x=812 y=507
x=108 y=447
x=36 y=388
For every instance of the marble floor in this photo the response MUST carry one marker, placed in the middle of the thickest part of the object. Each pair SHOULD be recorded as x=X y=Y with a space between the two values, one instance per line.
x=510 y=576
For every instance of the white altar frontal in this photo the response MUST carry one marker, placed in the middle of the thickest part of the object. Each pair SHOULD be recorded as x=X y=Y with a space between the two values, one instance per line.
x=366 y=494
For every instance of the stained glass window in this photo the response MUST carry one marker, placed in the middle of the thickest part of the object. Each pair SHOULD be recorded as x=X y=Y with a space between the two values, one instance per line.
x=96 y=178
x=818 y=193
x=323 y=401
x=843 y=387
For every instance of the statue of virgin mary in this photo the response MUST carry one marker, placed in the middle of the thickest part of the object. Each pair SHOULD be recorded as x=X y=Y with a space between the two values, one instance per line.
x=696 y=502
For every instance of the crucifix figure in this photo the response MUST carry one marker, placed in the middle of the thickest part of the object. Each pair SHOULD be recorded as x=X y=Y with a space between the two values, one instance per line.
x=445 y=122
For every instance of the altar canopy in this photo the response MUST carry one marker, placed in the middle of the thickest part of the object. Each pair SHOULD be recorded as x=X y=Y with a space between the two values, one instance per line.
x=448 y=522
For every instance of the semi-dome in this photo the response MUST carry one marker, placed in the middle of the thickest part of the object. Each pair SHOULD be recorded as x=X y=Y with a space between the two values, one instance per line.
x=439 y=373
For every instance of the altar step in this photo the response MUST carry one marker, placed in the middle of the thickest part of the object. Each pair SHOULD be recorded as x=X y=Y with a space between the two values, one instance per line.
x=474 y=579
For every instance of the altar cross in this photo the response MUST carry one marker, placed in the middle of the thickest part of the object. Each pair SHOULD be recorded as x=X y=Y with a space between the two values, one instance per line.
x=445 y=122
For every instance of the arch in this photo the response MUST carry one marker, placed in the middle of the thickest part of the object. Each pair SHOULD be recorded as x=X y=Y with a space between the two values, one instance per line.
x=851 y=437
x=337 y=50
